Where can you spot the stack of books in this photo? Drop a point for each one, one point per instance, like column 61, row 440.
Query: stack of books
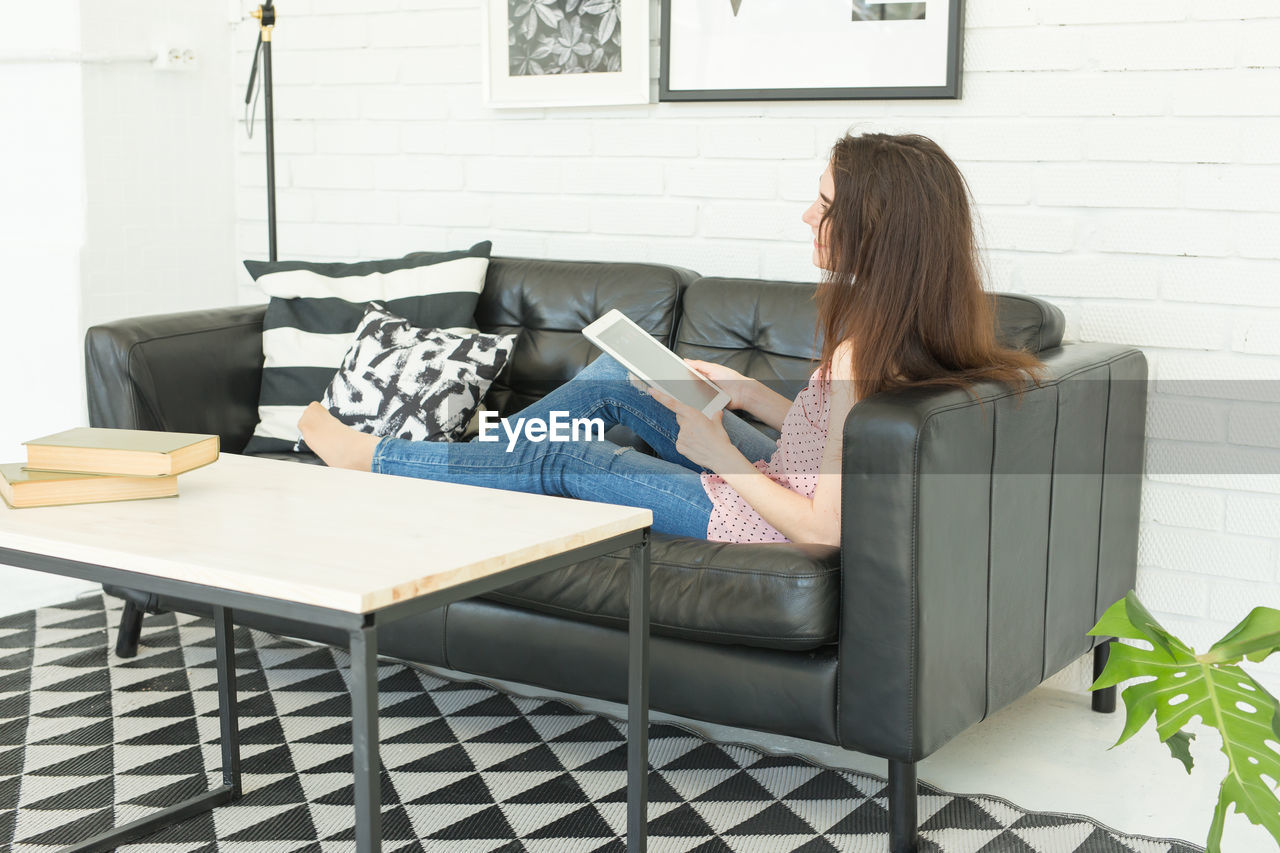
column 89, row 465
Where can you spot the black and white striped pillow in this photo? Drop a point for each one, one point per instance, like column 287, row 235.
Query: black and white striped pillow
column 315, row 308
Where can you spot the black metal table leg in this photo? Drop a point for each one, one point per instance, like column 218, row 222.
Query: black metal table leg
column 226, row 792
column 228, row 713
column 638, row 700
column 364, row 738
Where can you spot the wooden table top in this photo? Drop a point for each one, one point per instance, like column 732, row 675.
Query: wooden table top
column 346, row 540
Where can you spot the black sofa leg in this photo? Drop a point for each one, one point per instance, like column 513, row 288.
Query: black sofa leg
column 1104, row 700
column 130, row 631
column 902, row 807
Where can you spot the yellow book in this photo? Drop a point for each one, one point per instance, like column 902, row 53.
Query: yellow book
column 133, row 452
column 22, row 488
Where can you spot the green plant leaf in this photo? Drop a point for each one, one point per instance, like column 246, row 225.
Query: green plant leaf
column 1127, row 618
column 1252, row 798
column 1180, row 745
column 1255, row 638
column 1179, row 676
column 1181, row 686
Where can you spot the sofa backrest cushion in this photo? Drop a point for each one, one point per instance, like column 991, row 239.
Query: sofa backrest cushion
column 549, row 302
column 765, row 329
column 762, row 329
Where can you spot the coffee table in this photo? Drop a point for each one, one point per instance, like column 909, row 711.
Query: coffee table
column 299, row 541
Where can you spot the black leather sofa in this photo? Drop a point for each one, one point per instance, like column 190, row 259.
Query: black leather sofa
column 981, row 539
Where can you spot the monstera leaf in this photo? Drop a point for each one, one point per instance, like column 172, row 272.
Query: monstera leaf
column 1184, row 685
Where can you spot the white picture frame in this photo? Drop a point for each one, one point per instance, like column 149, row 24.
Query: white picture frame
column 755, row 50
column 553, row 35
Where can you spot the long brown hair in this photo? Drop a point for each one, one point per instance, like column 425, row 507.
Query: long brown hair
column 904, row 282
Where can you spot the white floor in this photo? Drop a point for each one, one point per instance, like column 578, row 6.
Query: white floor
column 1046, row 752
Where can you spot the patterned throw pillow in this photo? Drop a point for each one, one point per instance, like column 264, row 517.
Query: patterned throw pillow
column 421, row 384
column 315, row 307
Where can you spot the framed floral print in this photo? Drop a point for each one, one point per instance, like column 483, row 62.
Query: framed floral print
column 541, row 53
column 738, row 50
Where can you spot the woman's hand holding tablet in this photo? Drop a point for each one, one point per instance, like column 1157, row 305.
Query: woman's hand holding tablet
column 647, row 358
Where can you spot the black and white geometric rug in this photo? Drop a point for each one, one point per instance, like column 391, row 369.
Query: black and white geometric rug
column 467, row 768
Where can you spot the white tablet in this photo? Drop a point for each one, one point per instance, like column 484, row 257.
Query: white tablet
column 642, row 354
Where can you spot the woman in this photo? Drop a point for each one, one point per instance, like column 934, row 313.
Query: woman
column 901, row 304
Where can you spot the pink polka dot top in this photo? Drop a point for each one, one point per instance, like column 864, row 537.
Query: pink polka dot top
column 794, row 464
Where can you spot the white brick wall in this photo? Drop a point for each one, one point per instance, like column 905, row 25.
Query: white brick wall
column 1124, row 156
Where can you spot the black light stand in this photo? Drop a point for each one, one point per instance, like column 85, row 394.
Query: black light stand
column 266, row 13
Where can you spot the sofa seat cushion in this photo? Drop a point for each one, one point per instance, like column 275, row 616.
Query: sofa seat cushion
column 771, row 595
column 290, row 456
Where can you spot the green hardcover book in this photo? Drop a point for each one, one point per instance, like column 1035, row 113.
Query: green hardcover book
column 133, row 452
column 22, row 488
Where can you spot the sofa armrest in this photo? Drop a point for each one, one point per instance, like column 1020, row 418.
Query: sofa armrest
column 198, row 371
column 980, row 541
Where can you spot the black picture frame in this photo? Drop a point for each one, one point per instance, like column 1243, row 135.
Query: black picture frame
column 951, row 89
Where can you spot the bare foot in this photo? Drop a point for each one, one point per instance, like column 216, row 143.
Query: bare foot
column 337, row 444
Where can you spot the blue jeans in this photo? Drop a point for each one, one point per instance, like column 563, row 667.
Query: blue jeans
column 669, row 485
